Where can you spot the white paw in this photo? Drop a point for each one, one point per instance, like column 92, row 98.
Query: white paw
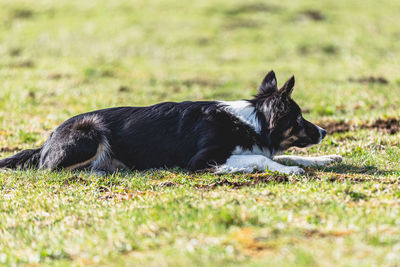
column 292, row 170
column 336, row 158
column 329, row 159
column 225, row 169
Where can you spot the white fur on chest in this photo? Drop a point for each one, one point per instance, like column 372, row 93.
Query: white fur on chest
column 244, row 159
column 255, row 150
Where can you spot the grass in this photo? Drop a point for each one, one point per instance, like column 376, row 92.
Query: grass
column 62, row 58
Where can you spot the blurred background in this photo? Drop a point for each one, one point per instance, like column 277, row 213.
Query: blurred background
column 61, row 58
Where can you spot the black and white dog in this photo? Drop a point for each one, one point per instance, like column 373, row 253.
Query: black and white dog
column 228, row 136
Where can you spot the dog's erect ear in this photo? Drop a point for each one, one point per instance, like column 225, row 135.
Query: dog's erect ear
column 268, row 85
column 287, row 88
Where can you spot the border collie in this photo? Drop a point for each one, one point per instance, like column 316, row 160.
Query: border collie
column 228, row 136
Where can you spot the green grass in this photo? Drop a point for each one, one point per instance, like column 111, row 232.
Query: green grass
column 61, row 58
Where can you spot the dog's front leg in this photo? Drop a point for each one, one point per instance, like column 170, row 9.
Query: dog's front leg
column 250, row 163
column 308, row 161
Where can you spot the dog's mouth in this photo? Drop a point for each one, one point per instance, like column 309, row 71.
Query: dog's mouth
column 304, row 145
column 308, row 143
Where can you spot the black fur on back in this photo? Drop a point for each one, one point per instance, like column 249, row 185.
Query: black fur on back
column 190, row 135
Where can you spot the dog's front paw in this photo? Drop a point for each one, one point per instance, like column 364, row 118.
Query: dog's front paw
column 336, row 158
column 223, row 169
column 292, row 170
column 329, row 159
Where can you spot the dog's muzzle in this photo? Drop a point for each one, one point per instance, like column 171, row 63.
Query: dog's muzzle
column 322, row 133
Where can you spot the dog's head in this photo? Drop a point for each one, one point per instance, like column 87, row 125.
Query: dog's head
column 283, row 117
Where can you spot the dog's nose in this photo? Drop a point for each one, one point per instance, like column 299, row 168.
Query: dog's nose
column 323, row 133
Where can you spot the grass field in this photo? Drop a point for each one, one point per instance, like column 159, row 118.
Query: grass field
column 61, row 58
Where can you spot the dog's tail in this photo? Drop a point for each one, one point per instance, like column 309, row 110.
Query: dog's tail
column 25, row 159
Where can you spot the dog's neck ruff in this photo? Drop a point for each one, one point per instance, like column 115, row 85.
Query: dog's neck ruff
column 244, row 111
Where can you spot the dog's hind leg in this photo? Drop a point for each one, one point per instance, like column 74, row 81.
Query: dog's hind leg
column 78, row 144
column 308, row 161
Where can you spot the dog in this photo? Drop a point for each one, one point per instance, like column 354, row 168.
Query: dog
column 225, row 136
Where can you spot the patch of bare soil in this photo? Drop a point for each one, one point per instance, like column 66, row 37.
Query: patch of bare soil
column 387, row 125
column 75, row 180
column 317, row 233
column 22, row 64
column 256, row 178
column 14, row 52
column 167, row 184
column 126, row 195
column 390, row 125
column 253, row 8
column 242, row 23
column 124, row 88
column 352, row 177
column 251, row 245
column 22, row 13
column 329, row 49
column 311, row 14
column 336, row 126
column 369, row 80
column 117, row 196
column 58, row 75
